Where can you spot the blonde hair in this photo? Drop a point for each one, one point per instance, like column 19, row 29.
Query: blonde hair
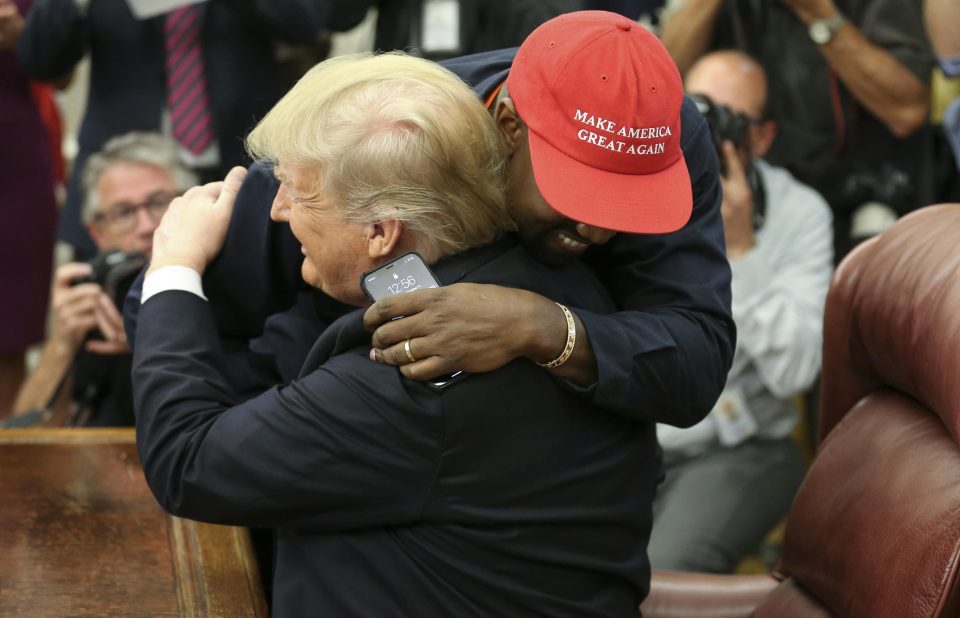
column 394, row 137
column 134, row 148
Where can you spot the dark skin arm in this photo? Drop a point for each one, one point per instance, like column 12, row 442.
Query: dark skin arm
column 475, row 328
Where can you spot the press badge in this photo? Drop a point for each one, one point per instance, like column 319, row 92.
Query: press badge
column 733, row 419
column 440, row 27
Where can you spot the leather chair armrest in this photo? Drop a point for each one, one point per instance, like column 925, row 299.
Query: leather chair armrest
column 681, row 595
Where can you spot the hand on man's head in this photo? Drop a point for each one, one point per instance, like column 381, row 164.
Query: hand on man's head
column 195, row 225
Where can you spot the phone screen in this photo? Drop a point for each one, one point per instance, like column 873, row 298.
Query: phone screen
column 404, row 274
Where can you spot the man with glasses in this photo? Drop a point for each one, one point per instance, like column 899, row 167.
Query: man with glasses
column 127, row 188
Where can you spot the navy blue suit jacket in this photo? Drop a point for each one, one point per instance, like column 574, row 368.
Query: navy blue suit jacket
column 128, row 76
column 503, row 495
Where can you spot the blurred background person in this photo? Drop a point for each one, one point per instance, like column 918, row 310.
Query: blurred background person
column 942, row 18
column 647, row 12
column 27, row 207
column 440, row 29
column 849, row 89
column 202, row 74
column 732, row 477
column 83, row 376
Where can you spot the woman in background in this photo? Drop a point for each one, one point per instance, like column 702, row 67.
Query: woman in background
column 27, row 209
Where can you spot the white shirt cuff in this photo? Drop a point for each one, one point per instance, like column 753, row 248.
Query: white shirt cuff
column 172, row 278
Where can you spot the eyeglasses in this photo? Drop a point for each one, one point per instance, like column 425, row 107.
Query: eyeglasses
column 122, row 216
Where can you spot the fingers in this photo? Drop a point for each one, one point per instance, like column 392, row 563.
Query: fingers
column 396, row 354
column 73, row 320
column 231, row 186
column 109, row 321
column 84, row 309
column 211, row 190
column 429, row 360
column 81, row 308
column 77, row 297
column 68, row 273
column 222, row 192
column 424, row 368
column 390, row 355
column 397, row 331
column 107, row 348
column 194, row 229
column 734, row 164
column 427, row 369
column 409, row 304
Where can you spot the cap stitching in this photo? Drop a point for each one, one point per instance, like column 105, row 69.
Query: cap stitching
column 571, row 57
column 583, row 48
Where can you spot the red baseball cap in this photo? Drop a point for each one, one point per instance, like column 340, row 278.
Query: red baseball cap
column 601, row 98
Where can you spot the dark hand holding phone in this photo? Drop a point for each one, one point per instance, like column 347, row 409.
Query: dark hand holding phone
column 405, row 274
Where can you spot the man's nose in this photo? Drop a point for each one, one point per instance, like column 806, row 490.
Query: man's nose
column 279, row 211
column 596, row 235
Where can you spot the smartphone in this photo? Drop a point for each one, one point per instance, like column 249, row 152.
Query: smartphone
column 404, row 274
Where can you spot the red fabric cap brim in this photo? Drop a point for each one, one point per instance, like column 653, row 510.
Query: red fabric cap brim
column 636, row 203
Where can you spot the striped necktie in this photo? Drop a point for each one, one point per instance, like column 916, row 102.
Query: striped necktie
column 187, row 97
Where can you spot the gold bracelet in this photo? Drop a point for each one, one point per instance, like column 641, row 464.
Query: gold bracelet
column 571, row 340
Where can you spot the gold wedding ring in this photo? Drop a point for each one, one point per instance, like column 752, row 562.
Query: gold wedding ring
column 406, row 348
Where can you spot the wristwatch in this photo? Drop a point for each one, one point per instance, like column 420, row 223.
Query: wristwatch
column 823, row 30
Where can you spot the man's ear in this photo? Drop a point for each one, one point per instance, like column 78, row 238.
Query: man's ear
column 762, row 136
column 383, row 237
column 510, row 125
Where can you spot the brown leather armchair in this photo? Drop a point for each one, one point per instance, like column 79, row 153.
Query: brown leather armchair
column 874, row 530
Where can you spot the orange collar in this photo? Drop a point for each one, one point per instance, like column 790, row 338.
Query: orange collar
column 493, row 96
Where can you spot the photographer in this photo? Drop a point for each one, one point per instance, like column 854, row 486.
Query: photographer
column 849, row 89
column 83, row 376
column 732, row 477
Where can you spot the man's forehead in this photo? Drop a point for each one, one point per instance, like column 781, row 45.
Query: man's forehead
column 131, row 173
column 297, row 176
column 727, row 85
column 126, row 181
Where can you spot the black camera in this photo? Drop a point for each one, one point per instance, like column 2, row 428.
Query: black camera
column 848, row 187
column 725, row 124
column 115, row 272
column 731, row 126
